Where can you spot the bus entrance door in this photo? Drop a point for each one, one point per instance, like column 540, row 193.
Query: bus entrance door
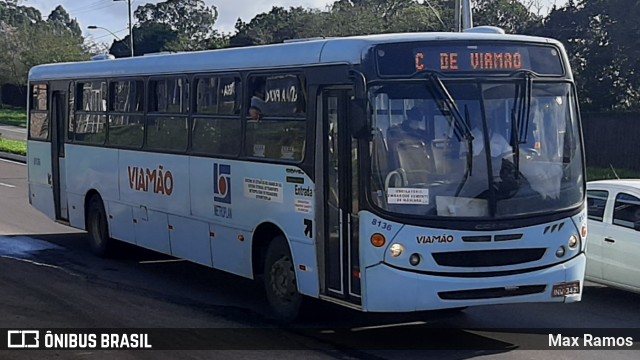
column 341, row 253
column 59, row 121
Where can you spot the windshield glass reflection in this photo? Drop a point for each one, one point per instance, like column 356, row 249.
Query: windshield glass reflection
column 524, row 156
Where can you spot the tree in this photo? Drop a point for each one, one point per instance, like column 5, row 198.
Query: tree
column 277, row 25
column 26, row 41
column 511, row 15
column 13, row 14
column 148, row 38
column 603, row 43
column 192, row 21
column 59, row 18
column 342, row 18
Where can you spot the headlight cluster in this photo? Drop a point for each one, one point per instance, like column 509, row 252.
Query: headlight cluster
column 572, row 244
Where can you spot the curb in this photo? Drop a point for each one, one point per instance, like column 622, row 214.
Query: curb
column 14, row 157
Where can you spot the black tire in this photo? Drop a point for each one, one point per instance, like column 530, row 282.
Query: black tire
column 98, row 228
column 280, row 282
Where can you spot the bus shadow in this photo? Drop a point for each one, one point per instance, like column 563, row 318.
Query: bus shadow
column 324, row 324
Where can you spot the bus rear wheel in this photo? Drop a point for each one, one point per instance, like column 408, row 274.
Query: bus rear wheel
column 280, row 281
column 98, row 228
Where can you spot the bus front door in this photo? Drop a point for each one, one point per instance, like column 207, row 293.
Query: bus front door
column 59, row 120
column 341, row 253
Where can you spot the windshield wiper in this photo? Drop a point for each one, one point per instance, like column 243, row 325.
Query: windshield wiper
column 520, row 118
column 460, row 126
column 524, row 106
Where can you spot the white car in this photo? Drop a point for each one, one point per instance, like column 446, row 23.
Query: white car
column 613, row 242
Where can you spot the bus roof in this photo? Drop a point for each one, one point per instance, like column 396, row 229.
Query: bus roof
column 297, row 53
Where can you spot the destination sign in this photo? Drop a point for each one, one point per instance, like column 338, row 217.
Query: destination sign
column 408, row 59
column 476, row 61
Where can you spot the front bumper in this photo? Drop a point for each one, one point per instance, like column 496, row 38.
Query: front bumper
column 387, row 289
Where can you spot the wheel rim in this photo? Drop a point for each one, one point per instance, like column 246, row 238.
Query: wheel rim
column 283, row 280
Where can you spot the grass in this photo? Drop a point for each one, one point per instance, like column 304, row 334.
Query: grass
column 13, row 146
column 17, row 117
column 13, row 116
column 608, row 173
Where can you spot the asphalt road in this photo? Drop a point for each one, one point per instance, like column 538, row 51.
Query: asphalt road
column 49, row 279
column 13, row 132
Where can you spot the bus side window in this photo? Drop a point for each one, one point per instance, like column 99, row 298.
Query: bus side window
column 276, row 119
column 216, row 128
column 91, row 112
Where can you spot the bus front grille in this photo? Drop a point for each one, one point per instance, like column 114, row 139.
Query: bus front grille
column 484, row 258
column 492, row 293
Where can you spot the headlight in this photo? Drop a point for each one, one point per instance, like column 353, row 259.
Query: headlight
column 396, row 250
column 573, row 242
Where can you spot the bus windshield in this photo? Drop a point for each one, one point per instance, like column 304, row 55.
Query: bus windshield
column 521, row 153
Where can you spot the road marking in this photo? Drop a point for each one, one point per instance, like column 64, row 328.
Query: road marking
column 161, row 261
column 68, row 272
column 375, row 327
column 13, row 162
column 7, row 185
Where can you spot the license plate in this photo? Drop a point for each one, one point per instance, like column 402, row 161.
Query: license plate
column 566, row 289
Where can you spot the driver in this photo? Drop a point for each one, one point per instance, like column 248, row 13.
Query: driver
column 503, row 168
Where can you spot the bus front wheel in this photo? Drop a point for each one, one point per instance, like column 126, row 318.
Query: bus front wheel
column 280, row 281
column 97, row 228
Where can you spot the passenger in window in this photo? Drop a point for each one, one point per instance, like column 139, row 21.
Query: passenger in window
column 256, row 107
column 411, row 125
column 411, row 128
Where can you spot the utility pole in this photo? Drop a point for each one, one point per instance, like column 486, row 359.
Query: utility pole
column 463, row 16
column 130, row 26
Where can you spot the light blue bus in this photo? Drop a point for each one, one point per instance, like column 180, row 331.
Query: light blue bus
column 386, row 173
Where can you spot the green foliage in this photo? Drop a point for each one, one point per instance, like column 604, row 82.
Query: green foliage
column 343, row 18
column 603, row 42
column 26, row 41
column 148, row 38
column 276, row 26
column 13, row 146
column 14, row 15
column 13, row 116
column 192, row 21
column 61, row 22
column 608, row 173
column 510, row 15
column 602, row 37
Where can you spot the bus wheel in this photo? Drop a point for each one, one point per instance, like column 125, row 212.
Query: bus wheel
column 280, row 281
column 97, row 228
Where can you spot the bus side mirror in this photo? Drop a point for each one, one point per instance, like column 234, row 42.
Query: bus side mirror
column 358, row 123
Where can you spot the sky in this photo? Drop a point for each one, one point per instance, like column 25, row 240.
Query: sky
column 112, row 14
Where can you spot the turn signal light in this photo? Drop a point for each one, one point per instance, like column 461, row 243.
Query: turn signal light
column 378, row 240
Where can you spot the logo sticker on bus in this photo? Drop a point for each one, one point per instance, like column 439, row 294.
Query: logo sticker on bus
column 222, row 183
column 159, row 181
column 426, row 239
